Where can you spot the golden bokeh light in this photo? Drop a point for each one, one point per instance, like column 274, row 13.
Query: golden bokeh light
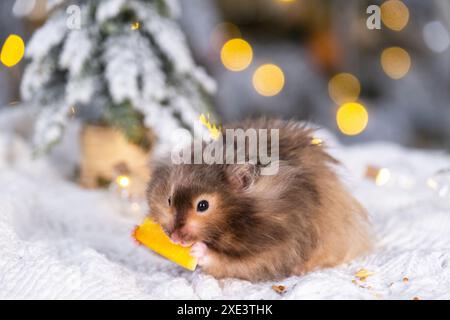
column 214, row 131
column 135, row 25
column 316, row 141
column 383, row 177
column 12, row 50
column 396, row 62
column 352, row 118
column 123, row 181
column 394, row 14
column 268, row 80
column 236, row 54
column 343, row 88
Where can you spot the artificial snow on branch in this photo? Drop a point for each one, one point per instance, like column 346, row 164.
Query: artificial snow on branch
column 128, row 66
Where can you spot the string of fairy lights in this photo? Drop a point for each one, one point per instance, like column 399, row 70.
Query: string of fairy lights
column 352, row 116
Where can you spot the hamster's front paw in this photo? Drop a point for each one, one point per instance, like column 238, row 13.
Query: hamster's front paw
column 199, row 250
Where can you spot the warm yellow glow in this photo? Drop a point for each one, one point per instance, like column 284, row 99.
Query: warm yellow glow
column 135, row 25
column 212, row 128
column 383, row 177
column 268, row 80
column 343, row 88
column 394, row 14
column 12, row 50
column 236, row 54
column 362, row 274
column 352, row 118
column 316, row 141
column 396, row 62
column 123, row 181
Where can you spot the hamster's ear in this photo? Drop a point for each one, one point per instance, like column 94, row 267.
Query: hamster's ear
column 242, row 176
column 160, row 166
column 159, row 175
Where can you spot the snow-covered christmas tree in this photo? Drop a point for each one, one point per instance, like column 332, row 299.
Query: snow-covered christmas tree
column 120, row 63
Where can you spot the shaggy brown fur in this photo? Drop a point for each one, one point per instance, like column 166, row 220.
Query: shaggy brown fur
column 263, row 227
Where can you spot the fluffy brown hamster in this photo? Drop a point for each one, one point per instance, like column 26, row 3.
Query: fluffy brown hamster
column 246, row 225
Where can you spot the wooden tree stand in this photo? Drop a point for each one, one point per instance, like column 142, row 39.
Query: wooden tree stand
column 104, row 152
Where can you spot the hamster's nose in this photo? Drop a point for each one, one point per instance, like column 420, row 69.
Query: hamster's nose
column 178, row 238
column 175, row 237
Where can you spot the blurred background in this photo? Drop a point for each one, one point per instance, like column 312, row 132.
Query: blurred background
column 316, row 60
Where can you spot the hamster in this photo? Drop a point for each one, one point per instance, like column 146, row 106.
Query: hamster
column 242, row 224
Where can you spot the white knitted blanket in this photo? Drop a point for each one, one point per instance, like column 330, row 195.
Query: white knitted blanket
column 60, row 241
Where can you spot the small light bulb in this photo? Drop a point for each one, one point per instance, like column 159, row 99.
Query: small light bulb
column 123, row 181
column 344, row 88
column 236, row 54
column 352, row 118
column 316, row 141
column 268, row 80
column 395, row 62
column 383, row 177
column 394, row 14
column 135, row 25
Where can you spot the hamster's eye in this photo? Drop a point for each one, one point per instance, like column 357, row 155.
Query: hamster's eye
column 169, row 201
column 202, row 206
